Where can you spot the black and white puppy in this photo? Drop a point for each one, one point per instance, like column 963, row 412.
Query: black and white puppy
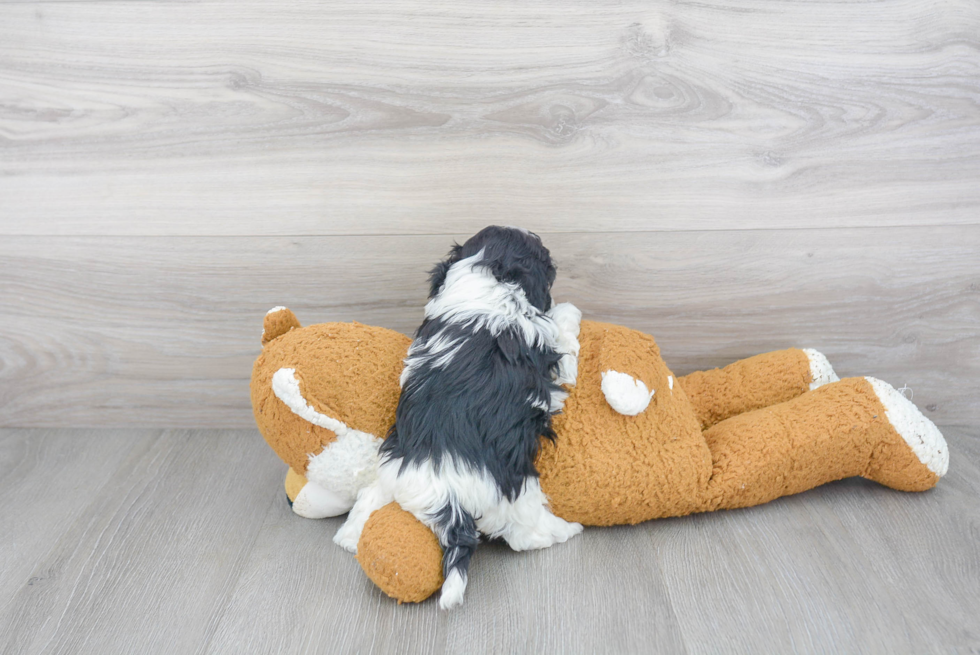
column 481, row 381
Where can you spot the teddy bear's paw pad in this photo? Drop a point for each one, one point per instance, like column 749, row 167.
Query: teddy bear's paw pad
column 624, row 393
column 821, row 372
column 315, row 502
column 921, row 434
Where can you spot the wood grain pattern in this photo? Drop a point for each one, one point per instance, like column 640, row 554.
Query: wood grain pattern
column 207, row 118
column 38, row 480
column 183, row 542
column 149, row 561
column 163, row 331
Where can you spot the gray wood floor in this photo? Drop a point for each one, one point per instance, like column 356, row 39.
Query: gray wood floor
column 181, row 541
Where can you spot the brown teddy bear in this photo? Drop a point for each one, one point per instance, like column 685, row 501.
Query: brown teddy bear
column 634, row 442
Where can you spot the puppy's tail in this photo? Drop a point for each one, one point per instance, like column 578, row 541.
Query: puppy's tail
column 459, row 537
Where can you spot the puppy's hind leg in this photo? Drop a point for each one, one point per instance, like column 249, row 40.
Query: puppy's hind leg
column 529, row 523
column 369, row 499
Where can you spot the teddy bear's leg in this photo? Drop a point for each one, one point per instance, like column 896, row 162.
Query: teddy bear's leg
column 854, row 427
column 401, row 555
column 312, row 501
column 756, row 382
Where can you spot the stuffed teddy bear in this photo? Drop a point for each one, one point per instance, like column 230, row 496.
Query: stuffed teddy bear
column 634, row 442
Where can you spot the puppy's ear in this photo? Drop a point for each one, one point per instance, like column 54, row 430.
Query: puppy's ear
column 510, row 347
column 437, row 276
column 534, row 273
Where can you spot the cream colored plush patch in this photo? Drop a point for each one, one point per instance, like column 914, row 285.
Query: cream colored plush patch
column 821, row 372
column 624, row 393
column 921, row 434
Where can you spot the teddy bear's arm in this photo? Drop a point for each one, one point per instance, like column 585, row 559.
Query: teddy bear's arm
column 756, row 382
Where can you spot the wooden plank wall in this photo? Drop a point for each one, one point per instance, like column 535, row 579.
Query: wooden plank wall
column 732, row 177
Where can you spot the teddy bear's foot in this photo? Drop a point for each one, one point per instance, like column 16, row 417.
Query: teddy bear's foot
column 915, row 455
column 821, row 372
column 312, row 501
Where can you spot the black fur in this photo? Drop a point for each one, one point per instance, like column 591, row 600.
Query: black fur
column 459, row 539
column 479, row 408
column 512, row 255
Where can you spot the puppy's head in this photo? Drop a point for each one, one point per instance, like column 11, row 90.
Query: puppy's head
column 512, row 255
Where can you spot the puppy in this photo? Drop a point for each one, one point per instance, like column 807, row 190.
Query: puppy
column 481, row 381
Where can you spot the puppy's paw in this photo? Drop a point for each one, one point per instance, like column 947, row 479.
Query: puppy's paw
column 567, row 531
column 568, row 317
column 347, row 537
column 567, row 370
column 547, row 533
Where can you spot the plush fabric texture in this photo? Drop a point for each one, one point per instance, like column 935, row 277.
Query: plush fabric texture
column 732, row 437
column 400, row 555
column 278, row 322
column 747, row 384
column 347, row 371
column 833, row 432
column 294, row 484
column 606, row 468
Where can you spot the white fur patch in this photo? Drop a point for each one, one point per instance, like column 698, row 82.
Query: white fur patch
column 568, row 318
column 423, row 490
column 821, row 372
column 452, row 590
column 921, row 434
column 346, row 465
column 624, row 393
column 471, row 295
column 437, row 351
column 369, row 500
column 670, row 382
column 278, row 308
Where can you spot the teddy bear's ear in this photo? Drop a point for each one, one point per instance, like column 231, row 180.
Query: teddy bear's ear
column 437, row 276
column 278, row 321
